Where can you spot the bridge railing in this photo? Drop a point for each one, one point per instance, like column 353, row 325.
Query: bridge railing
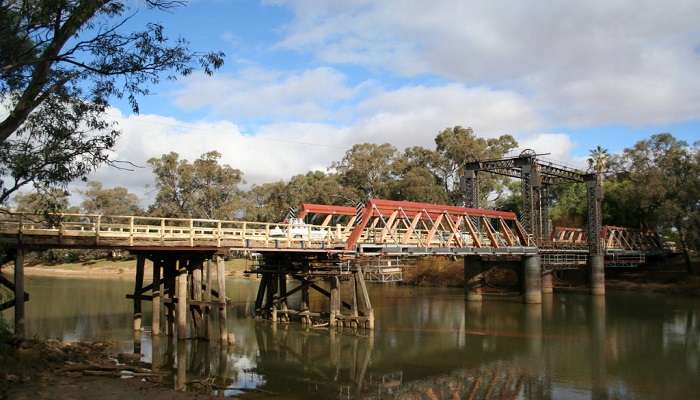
column 131, row 230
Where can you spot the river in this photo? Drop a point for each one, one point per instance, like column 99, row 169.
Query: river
column 428, row 344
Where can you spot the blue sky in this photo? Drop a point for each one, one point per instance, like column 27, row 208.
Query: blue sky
column 304, row 80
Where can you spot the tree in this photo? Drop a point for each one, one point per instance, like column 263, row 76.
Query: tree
column 657, row 185
column 61, row 63
column 202, row 189
column 417, row 177
column 598, row 160
column 457, row 146
column 271, row 201
column 54, row 200
column 367, row 168
column 113, row 201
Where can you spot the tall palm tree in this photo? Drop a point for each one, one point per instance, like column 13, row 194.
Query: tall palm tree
column 598, row 159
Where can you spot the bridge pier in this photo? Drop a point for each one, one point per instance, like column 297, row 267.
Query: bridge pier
column 273, row 292
column 596, row 263
column 181, row 287
column 532, row 279
column 547, row 282
column 473, row 278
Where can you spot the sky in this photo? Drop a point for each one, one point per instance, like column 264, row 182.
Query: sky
column 304, row 80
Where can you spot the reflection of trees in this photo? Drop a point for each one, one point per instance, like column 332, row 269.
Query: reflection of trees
column 493, row 382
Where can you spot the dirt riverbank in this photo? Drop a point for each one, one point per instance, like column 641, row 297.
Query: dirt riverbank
column 107, row 269
column 51, row 369
column 444, row 272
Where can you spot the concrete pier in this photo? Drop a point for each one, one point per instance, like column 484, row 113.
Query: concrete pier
column 473, row 278
column 547, row 282
column 596, row 263
column 532, row 282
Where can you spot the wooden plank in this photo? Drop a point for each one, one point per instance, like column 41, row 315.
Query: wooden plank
column 181, row 308
column 138, row 285
column 221, row 283
column 19, row 292
column 156, row 292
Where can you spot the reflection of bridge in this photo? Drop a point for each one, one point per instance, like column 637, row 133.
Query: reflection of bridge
column 320, row 249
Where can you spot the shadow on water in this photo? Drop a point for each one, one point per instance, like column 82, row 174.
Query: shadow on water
column 428, row 344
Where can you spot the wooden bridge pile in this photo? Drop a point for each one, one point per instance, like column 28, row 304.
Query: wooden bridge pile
column 308, row 272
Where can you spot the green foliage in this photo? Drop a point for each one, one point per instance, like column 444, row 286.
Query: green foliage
column 570, row 207
column 457, row 146
column 114, row 201
column 270, row 201
column 201, row 189
column 367, row 169
column 52, row 200
column 61, row 63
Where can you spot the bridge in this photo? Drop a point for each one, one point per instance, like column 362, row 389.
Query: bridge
column 324, row 247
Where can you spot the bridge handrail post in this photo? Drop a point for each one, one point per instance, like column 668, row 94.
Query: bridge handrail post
column 218, row 233
column 20, row 222
column 308, row 235
column 97, row 229
column 289, row 235
column 245, row 226
column 191, row 222
column 162, row 231
column 131, row 230
column 267, row 233
column 60, row 227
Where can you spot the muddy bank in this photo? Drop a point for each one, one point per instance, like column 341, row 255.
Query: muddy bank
column 51, row 369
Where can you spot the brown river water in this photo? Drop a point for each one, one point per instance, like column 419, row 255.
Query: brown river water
column 428, row 344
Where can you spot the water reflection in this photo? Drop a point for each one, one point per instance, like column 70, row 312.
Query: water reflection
column 429, row 344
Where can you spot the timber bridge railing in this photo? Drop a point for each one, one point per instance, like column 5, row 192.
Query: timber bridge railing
column 382, row 226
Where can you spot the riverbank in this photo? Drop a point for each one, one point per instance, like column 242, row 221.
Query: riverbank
column 107, row 269
column 51, row 369
column 428, row 272
column 444, row 272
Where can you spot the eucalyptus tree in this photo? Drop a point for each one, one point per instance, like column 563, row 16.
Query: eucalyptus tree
column 203, row 188
column 457, row 146
column 109, row 201
column 62, row 63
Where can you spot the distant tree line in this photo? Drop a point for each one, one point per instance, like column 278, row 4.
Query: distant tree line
column 653, row 184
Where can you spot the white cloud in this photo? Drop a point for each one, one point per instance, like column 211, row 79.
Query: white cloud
column 262, row 93
column 584, row 63
column 404, row 117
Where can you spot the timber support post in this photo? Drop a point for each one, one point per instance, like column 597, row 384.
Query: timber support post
column 197, row 314
column 138, row 286
column 596, row 253
column 221, row 281
column 156, row 291
column 208, row 278
column 181, row 300
column 19, row 292
column 473, row 278
column 169, row 273
column 334, row 303
column 532, row 282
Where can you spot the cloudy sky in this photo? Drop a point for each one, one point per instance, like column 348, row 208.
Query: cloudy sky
column 305, row 79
